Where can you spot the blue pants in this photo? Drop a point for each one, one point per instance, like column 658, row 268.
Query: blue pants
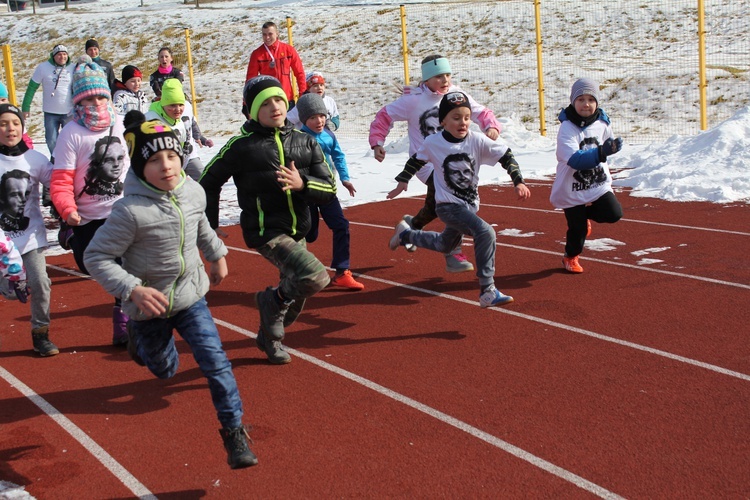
column 459, row 220
column 333, row 216
column 155, row 345
column 53, row 123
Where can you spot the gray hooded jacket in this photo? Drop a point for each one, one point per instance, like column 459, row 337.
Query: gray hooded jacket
column 157, row 234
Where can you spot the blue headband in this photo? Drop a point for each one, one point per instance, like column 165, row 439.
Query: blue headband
column 436, row 67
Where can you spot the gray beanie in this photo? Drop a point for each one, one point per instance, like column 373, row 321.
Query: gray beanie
column 310, row 104
column 584, row 86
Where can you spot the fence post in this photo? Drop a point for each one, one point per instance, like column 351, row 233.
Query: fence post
column 702, row 64
column 190, row 72
column 292, row 78
column 404, row 46
column 540, row 66
column 8, row 65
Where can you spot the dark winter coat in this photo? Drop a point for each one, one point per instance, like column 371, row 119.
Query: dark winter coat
column 252, row 159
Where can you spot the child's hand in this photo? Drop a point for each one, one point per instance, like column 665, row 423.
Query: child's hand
column 221, row 233
column 522, row 192
column 610, row 147
column 150, row 301
column 349, row 187
column 73, row 219
column 400, row 188
column 289, row 178
column 218, row 271
column 492, row 133
column 379, row 152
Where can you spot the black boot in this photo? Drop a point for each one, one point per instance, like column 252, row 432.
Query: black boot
column 239, row 455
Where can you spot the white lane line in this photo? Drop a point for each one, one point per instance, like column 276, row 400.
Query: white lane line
column 112, row 465
column 636, row 221
column 444, row 418
column 602, row 261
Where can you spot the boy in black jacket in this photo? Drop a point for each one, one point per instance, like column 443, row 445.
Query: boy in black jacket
column 277, row 171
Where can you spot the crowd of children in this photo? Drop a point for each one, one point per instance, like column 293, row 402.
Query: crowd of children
column 137, row 206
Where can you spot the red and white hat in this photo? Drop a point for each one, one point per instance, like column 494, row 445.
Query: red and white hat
column 315, row 78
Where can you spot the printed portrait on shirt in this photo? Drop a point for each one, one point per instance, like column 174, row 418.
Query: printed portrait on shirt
column 458, row 171
column 429, row 123
column 106, row 165
column 15, row 189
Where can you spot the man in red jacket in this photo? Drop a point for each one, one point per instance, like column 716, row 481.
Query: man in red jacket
column 279, row 60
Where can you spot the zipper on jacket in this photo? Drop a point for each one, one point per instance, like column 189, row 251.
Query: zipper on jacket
column 176, row 204
column 289, row 201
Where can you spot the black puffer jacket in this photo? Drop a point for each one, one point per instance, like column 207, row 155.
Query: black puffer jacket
column 253, row 159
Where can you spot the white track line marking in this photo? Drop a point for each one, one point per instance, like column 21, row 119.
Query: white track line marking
column 444, row 418
column 592, row 259
column 89, row 444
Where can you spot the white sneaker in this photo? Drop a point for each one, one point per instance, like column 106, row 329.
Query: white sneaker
column 395, row 240
column 410, row 247
column 493, row 297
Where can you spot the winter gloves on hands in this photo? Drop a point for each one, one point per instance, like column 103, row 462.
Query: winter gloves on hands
column 610, row 147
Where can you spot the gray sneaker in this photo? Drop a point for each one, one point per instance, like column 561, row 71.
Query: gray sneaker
column 271, row 314
column 42, row 344
column 273, row 349
column 410, row 247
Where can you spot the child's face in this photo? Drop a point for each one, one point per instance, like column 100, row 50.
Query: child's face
column 318, row 88
column 457, row 122
column 272, row 112
column 134, row 84
column 11, row 130
column 165, row 58
column 585, row 105
column 440, row 83
column 163, row 169
column 316, row 123
column 97, row 100
column 174, row 111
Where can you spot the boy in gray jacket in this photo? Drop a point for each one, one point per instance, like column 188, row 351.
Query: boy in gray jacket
column 156, row 230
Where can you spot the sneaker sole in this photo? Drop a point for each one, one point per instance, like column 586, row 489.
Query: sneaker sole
column 502, row 302
column 463, row 269
column 47, row 354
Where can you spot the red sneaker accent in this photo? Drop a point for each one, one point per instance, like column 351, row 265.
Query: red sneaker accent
column 571, row 264
column 346, row 280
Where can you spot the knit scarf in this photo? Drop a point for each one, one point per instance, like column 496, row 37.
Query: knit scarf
column 16, row 150
column 94, row 118
column 570, row 114
column 165, row 71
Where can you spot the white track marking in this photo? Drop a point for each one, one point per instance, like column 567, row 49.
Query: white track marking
column 112, row 465
column 590, row 259
column 444, row 418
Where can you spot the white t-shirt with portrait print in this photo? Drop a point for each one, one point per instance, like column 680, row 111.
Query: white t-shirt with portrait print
column 477, row 148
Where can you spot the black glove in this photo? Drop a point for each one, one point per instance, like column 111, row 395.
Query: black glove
column 21, row 289
column 610, row 147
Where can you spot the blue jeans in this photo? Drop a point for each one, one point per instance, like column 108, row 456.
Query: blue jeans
column 155, row 345
column 459, row 220
column 53, row 123
column 333, row 216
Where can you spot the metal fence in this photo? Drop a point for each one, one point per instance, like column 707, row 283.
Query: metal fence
column 644, row 54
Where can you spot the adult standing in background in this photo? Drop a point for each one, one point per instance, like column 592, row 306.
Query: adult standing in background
column 92, row 50
column 55, row 75
column 279, row 60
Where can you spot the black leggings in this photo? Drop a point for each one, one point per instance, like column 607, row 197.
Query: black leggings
column 82, row 236
column 606, row 209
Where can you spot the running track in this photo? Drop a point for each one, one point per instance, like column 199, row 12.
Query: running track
column 630, row 380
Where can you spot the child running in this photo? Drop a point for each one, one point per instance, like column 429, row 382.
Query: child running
column 316, row 84
column 90, row 166
column 456, row 154
column 419, row 108
column 278, row 171
column 22, row 173
column 157, row 230
column 583, row 184
column 313, row 113
column 12, row 270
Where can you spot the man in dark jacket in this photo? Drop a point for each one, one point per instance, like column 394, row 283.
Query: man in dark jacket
column 92, row 49
column 277, row 171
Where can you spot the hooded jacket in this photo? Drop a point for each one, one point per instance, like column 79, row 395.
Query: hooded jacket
column 157, row 234
column 252, row 159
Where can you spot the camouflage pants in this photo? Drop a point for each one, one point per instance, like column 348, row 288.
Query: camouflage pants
column 301, row 274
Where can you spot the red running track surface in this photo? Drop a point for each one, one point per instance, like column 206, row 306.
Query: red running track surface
column 631, row 379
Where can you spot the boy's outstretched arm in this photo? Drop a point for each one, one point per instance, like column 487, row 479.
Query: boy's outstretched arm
column 413, row 165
